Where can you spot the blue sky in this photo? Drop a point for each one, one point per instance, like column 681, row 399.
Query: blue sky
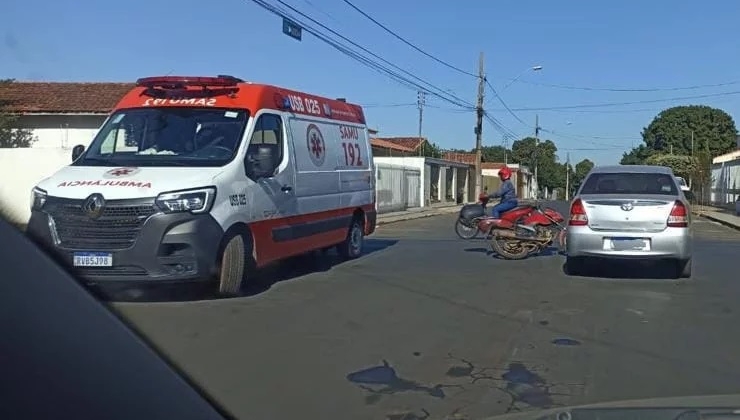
column 592, row 44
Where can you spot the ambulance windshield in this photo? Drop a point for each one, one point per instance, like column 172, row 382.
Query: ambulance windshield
column 167, row 137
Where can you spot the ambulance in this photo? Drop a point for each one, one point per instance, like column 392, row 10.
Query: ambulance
column 209, row 178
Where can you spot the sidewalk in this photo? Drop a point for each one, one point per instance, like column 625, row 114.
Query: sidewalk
column 421, row 212
column 417, row 213
column 719, row 215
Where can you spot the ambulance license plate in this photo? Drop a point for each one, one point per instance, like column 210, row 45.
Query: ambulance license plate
column 92, row 259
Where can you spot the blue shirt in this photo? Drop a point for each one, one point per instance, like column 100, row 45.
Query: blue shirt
column 507, row 192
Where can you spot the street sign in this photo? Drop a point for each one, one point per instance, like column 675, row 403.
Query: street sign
column 292, row 29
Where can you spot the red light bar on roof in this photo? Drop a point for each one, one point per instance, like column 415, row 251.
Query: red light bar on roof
column 178, row 82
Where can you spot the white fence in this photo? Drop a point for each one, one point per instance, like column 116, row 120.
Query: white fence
column 397, row 187
column 20, row 170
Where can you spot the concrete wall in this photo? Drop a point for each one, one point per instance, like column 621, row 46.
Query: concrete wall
column 397, row 187
column 522, row 180
column 408, row 162
column 20, row 170
column 725, row 182
column 61, row 131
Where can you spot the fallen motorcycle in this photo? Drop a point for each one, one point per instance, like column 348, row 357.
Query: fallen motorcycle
column 518, row 233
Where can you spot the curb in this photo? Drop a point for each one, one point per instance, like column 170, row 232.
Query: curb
column 720, row 221
column 419, row 215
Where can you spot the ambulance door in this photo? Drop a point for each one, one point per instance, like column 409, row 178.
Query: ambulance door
column 317, row 180
column 354, row 164
column 269, row 164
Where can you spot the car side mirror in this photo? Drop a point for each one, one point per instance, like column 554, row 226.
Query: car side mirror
column 77, row 151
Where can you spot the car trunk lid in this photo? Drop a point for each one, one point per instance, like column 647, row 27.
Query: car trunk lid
column 628, row 213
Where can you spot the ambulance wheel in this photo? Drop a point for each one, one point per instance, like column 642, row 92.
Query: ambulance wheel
column 233, row 264
column 351, row 248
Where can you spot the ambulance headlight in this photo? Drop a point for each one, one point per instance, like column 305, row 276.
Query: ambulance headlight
column 38, row 198
column 194, row 201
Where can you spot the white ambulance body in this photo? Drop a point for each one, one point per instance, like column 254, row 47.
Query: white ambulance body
column 194, row 179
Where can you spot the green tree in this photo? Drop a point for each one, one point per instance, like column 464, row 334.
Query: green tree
column 682, row 165
column 679, row 131
column 636, row 156
column 702, row 175
column 550, row 174
column 11, row 135
column 578, row 174
column 431, row 150
column 494, row 153
column 581, row 170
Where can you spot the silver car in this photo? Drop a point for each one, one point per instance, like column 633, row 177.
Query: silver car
column 629, row 212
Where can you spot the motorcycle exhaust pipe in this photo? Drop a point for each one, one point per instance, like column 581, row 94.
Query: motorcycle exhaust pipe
column 506, row 234
column 510, row 234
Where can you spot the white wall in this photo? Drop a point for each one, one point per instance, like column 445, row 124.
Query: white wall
column 725, row 182
column 397, row 187
column 61, row 130
column 20, row 170
column 409, row 162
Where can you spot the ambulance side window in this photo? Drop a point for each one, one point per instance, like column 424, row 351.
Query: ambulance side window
column 119, row 139
column 265, row 150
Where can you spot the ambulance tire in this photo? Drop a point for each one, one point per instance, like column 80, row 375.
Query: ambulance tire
column 352, row 246
column 233, row 265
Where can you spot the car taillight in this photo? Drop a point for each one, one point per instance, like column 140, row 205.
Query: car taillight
column 577, row 214
column 679, row 216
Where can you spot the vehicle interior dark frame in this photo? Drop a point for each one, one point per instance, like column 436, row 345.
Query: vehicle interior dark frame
column 64, row 354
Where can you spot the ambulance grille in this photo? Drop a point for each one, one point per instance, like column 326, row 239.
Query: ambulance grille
column 116, row 228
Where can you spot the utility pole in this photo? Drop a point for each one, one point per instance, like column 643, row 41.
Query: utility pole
column 479, row 125
column 506, row 149
column 536, row 146
column 692, row 159
column 567, row 177
column 420, row 102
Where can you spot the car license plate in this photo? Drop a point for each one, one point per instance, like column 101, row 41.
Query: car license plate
column 92, row 259
column 630, row 244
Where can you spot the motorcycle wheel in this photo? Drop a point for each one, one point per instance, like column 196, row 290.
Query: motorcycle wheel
column 508, row 250
column 464, row 231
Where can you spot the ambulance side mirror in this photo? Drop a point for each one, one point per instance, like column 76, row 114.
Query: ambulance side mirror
column 261, row 161
column 77, row 151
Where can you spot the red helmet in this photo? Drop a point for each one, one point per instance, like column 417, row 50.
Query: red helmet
column 504, row 173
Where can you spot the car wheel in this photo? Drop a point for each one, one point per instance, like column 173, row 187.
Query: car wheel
column 352, row 246
column 683, row 269
column 574, row 266
column 233, row 266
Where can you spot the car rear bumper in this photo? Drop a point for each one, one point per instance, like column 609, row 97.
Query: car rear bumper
column 671, row 243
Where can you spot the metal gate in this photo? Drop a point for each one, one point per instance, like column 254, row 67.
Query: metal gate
column 397, row 187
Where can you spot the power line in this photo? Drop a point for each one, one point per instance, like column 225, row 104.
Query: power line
column 597, row 89
column 584, row 136
column 499, row 126
column 390, row 105
column 608, row 104
column 500, row 99
column 429, row 88
column 402, row 39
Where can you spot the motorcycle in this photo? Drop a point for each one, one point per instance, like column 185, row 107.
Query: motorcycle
column 518, row 233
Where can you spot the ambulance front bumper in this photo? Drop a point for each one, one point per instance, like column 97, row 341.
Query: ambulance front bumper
column 129, row 245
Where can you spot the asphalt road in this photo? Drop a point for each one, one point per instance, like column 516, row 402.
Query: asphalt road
column 430, row 325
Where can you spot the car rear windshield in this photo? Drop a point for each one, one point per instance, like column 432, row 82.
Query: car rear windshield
column 630, row 183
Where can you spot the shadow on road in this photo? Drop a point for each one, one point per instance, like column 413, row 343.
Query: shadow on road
column 632, row 270
column 263, row 280
column 487, row 250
